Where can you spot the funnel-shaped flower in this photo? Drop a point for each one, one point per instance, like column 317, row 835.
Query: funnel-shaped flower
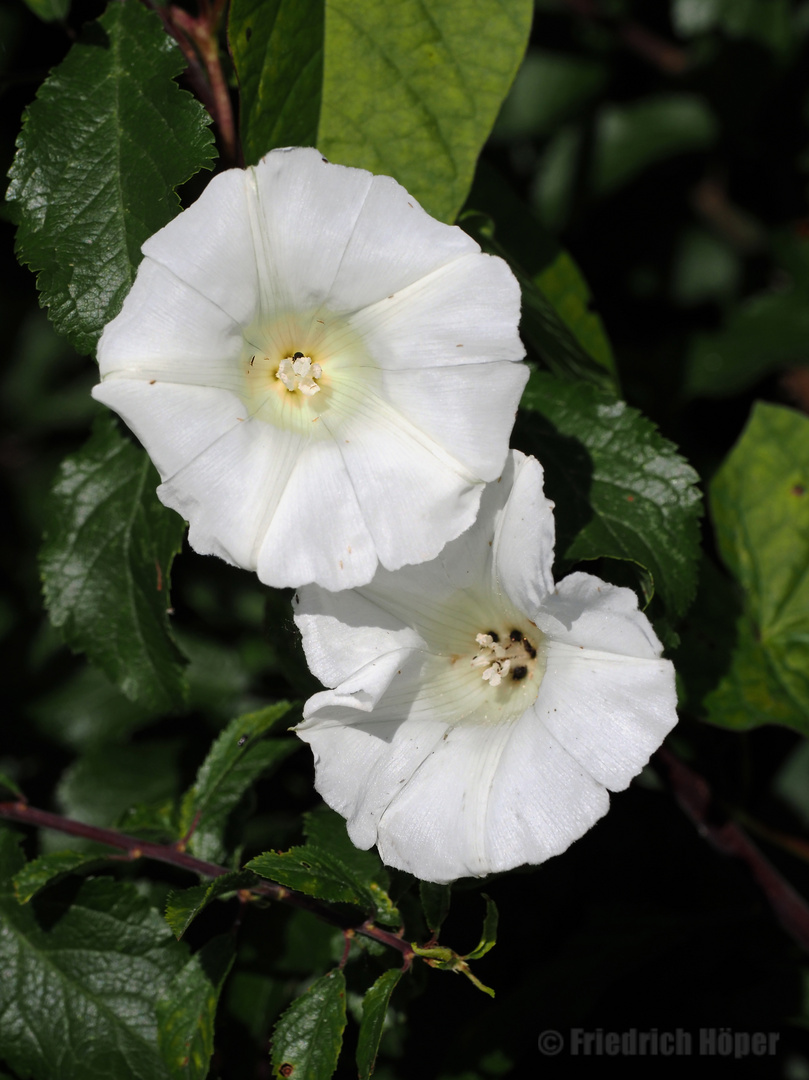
column 322, row 373
column 479, row 714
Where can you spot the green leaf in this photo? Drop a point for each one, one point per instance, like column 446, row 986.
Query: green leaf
column 765, row 333
column 488, row 935
column 768, row 22
column 412, row 90
column 106, row 561
column 329, row 867
column 183, row 905
column 760, row 507
column 621, row 490
column 435, row 901
column 103, row 147
column 50, row 10
column 307, row 1039
column 7, row 783
column 277, row 48
column 187, row 1010
column 47, row 870
column 95, row 963
column 234, row 763
column 374, row 1010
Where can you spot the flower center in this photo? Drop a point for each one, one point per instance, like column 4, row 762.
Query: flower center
column 511, row 656
column 297, row 372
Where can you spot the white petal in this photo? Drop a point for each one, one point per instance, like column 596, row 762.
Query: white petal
column 586, row 611
column 317, row 531
column 524, row 537
column 210, row 246
column 610, row 712
column 394, row 243
column 414, row 495
column 342, row 632
column 468, row 410
column 169, row 332
column 305, row 211
column 465, row 312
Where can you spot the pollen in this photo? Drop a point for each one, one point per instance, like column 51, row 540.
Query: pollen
column 298, row 372
column 515, row 659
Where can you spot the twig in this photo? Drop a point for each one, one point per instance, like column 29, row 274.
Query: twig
column 173, row 855
column 654, row 49
column 694, row 796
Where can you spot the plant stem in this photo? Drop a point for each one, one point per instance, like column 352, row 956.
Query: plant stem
column 175, row 855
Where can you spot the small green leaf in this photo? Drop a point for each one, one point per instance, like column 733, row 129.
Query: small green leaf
column 413, row 90
column 621, row 490
column 48, row 869
column 7, row 783
column 488, row 936
column 234, row 763
column 187, row 1010
column 760, row 507
column 103, row 147
column 435, row 901
column 50, row 10
column 307, row 1039
column 374, row 1010
column 96, row 962
column 183, row 905
column 277, row 48
column 106, row 561
column 329, row 867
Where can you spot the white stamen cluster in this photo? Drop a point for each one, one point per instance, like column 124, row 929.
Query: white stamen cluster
column 493, row 657
column 297, row 372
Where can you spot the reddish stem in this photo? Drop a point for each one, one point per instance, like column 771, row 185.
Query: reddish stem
column 174, row 856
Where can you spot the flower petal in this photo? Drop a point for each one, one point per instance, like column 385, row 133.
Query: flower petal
column 524, row 537
column 611, row 712
column 465, row 312
column 316, row 530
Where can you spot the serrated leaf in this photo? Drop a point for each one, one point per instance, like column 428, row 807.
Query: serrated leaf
column 183, row 905
column 187, row 1010
column 329, row 867
column 103, row 147
column 307, row 1039
column 760, row 507
column 47, row 870
column 374, row 1010
column 106, row 561
column 94, row 963
column 277, row 48
column 621, row 490
column 413, row 90
column 233, row 764
column 435, row 901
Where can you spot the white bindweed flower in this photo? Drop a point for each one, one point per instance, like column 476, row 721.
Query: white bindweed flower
column 479, row 714
column 323, row 374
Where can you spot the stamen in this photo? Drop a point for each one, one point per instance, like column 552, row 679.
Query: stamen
column 497, row 660
column 299, row 373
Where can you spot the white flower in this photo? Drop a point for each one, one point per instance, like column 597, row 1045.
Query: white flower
column 479, row 714
column 322, row 373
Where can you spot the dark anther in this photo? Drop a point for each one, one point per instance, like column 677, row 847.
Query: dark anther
column 493, row 635
column 529, row 648
column 297, row 356
column 515, row 635
column 519, row 673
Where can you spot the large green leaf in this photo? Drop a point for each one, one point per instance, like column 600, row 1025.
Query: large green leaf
column 307, row 1039
column 621, row 490
column 760, row 507
column 106, row 561
column 234, row 763
column 81, row 979
column 103, row 147
column 404, row 89
column 413, row 89
column 329, row 867
column 187, row 1010
column 277, row 48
